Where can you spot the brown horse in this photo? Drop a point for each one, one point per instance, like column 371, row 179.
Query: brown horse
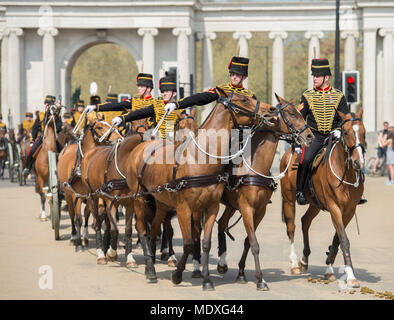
column 148, row 174
column 103, row 172
column 41, row 156
column 252, row 185
column 338, row 187
column 70, row 182
column 25, row 147
column 184, row 124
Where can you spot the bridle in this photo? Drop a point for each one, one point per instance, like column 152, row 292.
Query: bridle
column 349, row 150
column 295, row 133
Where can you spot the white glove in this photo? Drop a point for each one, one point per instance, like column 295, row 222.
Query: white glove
column 336, row 133
column 116, row 121
column 298, row 150
column 169, row 107
column 90, row 108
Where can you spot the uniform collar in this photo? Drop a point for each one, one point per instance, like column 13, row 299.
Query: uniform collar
column 146, row 98
column 236, row 87
column 323, row 90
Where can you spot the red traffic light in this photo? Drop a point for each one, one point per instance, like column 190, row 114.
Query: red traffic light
column 351, row 80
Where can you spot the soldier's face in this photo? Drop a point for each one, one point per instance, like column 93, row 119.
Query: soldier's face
column 320, row 81
column 80, row 109
column 168, row 95
column 143, row 91
column 236, row 79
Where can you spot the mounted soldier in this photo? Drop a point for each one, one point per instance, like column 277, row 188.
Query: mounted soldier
column 319, row 107
column 26, row 127
column 142, row 99
column 80, row 106
column 39, row 126
column 3, row 126
column 238, row 72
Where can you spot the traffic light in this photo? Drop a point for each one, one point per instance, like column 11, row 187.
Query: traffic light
column 351, row 86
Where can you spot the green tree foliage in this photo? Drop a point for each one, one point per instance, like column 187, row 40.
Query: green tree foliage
column 107, row 65
column 76, row 96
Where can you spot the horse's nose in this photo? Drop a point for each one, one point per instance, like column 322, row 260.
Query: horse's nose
column 272, row 109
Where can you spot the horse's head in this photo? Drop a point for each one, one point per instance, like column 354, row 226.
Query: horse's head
column 139, row 126
column 292, row 122
column 247, row 111
column 185, row 123
column 353, row 138
column 101, row 128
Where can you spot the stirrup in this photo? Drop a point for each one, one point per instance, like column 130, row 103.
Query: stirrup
column 362, row 201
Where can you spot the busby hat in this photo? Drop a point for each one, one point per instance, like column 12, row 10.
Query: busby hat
column 239, row 65
column 29, row 114
column 167, row 84
column 50, row 99
column 95, row 100
column 320, row 67
column 80, row 103
column 145, row 79
column 112, row 97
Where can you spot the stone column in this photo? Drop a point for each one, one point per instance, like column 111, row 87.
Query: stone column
column 388, row 74
column 183, row 57
column 4, row 74
column 314, row 46
column 277, row 64
column 148, row 48
column 207, row 66
column 243, row 38
column 14, row 76
column 48, row 58
column 350, row 49
column 369, row 79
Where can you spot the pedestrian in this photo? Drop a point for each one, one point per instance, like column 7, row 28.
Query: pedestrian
column 381, row 150
column 389, row 143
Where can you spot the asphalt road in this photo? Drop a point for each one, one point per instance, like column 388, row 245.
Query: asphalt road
column 35, row 266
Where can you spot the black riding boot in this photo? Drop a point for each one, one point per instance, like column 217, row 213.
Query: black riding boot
column 300, row 185
column 30, row 159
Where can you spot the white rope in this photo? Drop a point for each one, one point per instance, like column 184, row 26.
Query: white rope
column 230, row 157
column 80, row 144
column 116, row 157
column 79, row 122
column 275, row 178
column 159, row 124
column 332, row 170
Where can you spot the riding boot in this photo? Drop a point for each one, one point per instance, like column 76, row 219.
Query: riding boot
column 362, row 200
column 30, row 159
column 58, row 146
column 300, row 185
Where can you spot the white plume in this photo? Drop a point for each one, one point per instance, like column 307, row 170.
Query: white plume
column 93, row 89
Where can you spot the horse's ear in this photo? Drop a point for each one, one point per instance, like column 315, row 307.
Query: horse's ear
column 178, row 113
column 360, row 113
column 221, row 92
column 342, row 115
column 193, row 112
column 280, row 99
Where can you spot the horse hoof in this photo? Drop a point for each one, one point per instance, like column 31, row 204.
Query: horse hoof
column 208, row 286
column 295, row 270
column 151, row 278
column 164, row 256
column 241, row 279
column 101, row 261
column 352, row 283
column 172, row 263
column 131, row 265
column 262, row 286
column 78, row 248
column 43, row 219
column 222, row 269
column 303, row 267
column 196, row 274
column 111, row 259
column 176, row 277
column 330, row 276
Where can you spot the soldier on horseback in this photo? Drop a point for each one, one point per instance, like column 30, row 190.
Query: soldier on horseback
column 26, row 126
column 39, row 126
column 3, row 126
column 319, row 107
column 238, row 69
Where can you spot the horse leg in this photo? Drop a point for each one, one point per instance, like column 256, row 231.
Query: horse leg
column 112, row 254
column 185, row 220
column 222, row 266
column 336, row 216
column 206, row 246
column 150, row 271
column 98, row 220
column 331, row 255
column 306, row 223
column 130, row 262
column 168, row 234
column 85, row 233
column 288, row 209
column 71, row 213
column 159, row 217
column 78, row 224
column 196, row 225
column 107, row 235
